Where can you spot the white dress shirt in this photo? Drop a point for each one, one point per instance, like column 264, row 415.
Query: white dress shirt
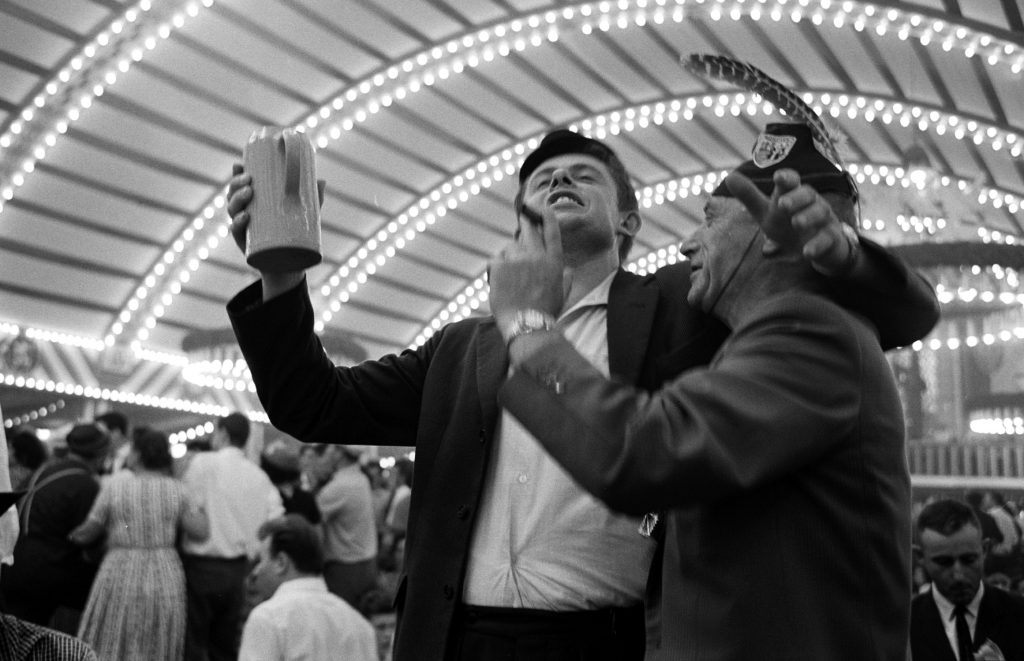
column 541, row 541
column 305, row 622
column 946, row 608
column 349, row 525
column 238, row 497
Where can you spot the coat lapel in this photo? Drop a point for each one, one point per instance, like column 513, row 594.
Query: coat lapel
column 932, row 635
column 990, row 618
column 631, row 307
column 491, row 368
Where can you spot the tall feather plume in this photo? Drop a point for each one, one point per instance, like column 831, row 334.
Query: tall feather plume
column 828, row 140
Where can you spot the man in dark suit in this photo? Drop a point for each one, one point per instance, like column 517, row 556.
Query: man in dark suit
column 960, row 616
column 506, row 557
column 779, row 469
column 49, row 571
column 24, row 641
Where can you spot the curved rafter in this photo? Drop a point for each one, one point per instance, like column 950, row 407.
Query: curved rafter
column 42, row 122
column 439, row 61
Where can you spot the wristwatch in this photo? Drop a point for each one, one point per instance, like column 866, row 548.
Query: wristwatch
column 528, row 321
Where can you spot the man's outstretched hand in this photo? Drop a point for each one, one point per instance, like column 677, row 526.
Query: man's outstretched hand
column 797, row 218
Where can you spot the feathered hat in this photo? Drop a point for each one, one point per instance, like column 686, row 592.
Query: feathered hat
column 806, row 144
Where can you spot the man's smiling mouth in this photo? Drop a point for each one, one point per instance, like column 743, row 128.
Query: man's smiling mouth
column 562, row 196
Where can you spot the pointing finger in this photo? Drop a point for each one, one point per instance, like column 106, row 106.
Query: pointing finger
column 531, row 232
column 756, row 202
column 553, row 238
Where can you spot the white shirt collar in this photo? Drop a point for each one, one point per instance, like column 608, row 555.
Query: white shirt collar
column 946, row 607
column 306, row 584
column 596, row 296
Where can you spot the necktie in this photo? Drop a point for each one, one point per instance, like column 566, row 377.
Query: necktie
column 963, row 634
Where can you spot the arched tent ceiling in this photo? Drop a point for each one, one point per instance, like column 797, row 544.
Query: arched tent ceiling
column 119, row 122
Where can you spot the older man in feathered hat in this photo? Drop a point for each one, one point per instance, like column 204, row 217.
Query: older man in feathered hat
column 779, row 469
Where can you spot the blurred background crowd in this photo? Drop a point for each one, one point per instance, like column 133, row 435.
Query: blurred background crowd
column 133, row 551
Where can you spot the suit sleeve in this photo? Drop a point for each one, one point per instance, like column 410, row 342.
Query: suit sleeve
column 784, row 390
column 899, row 301
column 305, row 394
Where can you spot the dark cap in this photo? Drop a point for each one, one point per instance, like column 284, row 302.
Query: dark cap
column 87, row 440
column 8, row 498
column 791, row 146
column 282, row 455
column 564, row 141
column 237, row 427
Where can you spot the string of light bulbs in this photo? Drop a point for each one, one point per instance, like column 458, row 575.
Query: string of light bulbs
column 499, row 40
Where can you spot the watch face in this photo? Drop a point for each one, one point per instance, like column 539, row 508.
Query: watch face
column 527, row 321
column 534, row 319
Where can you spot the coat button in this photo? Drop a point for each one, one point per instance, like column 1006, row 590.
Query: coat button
column 463, row 512
column 448, row 591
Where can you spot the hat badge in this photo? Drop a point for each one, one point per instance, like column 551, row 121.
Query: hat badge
column 772, row 149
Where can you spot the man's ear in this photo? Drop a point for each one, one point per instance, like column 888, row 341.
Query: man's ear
column 281, row 563
column 629, row 223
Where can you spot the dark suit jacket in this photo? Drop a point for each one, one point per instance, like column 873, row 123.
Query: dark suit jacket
column 1000, row 619
column 49, row 570
column 442, row 398
column 782, row 466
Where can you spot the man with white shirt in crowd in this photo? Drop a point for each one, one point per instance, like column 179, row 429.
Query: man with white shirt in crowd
column 115, row 423
column 959, row 618
column 239, row 498
column 300, row 619
column 349, row 525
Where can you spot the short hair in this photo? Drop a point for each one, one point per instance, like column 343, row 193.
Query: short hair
column 113, row 420
column 317, row 448
column 997, row 498
column 27, row 449
column 625, row 193
column 276, row 473
column 237, row 427
column 153, row 448
column 947, row 516
column 404, row 467
column 296, row 537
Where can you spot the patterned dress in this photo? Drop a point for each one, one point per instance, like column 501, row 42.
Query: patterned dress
column 136, row 609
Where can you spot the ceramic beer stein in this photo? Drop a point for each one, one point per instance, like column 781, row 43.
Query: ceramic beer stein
column 284, row 214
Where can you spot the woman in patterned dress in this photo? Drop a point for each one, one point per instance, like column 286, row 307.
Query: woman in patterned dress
column 136, row 609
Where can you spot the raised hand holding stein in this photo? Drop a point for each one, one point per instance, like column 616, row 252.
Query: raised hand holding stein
column 284, row 228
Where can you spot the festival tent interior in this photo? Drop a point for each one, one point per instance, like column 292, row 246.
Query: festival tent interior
column 120, row 121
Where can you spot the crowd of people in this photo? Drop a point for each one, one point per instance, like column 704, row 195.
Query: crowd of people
column 140, row 556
